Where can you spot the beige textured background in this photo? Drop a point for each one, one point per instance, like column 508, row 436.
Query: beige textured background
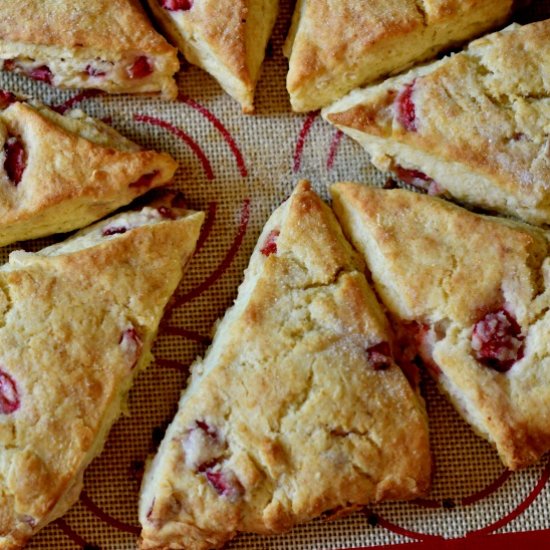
column 239, row 196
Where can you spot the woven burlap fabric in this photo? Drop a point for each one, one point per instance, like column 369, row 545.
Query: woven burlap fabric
column 239, row 169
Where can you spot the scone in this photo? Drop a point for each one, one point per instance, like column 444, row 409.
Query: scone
column 59, row 173
column 227, row 38
column 298, row 406
column 474, row 126
column 78, row 322
column 336, row 45
column 471, row 296
column 108, row 45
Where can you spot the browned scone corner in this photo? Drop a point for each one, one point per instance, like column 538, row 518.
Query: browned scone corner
column 78, row 322
column 469, row 295
column 297, row 408
column 62, row 172
column 473, row 126
column 108, row 45
column 226, row 38
column 335, row 46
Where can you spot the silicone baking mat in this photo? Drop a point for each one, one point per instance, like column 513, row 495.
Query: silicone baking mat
column 238, row 169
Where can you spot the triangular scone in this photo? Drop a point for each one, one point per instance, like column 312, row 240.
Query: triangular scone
column 78, row 322
column 475, row 125
column 227, row 38
column 470, row 294
column 109, row 45
column 297, row 408
column 59, row 173
column 335, row 46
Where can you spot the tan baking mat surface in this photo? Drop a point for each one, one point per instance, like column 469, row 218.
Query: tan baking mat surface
column 239, row 169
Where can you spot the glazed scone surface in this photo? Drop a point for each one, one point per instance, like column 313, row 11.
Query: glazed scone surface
column 106, row 44
column 227, row 38
column 471, row 294
column 61, row 172
column 336, row 45
column 475, row 125
column 293, row 411
column 78, row 322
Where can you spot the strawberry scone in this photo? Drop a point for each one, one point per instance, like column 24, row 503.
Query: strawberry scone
column 297, row 408
column 78, row 322
column 62, row 172
column 108, row 45
column 470, row 295
column 336, row 45
column 474, row 126
column 227, row 38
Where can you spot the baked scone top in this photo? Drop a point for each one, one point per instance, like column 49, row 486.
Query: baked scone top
column 115, row 26
column 293, row 411
column 472, row 294
column 481, row 110
column 337, row 45
column 63, row 172
column 78, row 321
column 227, row 38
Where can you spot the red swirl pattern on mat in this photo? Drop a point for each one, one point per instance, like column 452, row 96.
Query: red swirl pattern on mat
column 334, row 146
column 187, row 139
column 113, row 522
column 301, row 141
column 73, row 101
column 216, row 122
column 223, row 266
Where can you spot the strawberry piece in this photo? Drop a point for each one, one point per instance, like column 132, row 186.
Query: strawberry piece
column 497, row 340
column 270, row 245
column 405, row 108
column 131, row 344
column 418, row 179
column 146, row 180
column 15, row 159
column 114, row 230
column 206, row 428
column 225, row 482
column 141, row 68
column 6, row 99
column 42, row 73
column 379, row 356
column 176, row 5
column 9, row 396
column 94, row 71
column 9, row 65
column 166, row 212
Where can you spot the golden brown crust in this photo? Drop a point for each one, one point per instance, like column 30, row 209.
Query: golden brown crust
column 79, row 319
column 111, row 30
column 445, row 269
column 227, row 38
column 480, row 122
column 337, row 45
column 297, row 421
column 77, row 170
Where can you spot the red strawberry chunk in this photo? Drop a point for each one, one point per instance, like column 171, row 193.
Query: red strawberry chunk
column 405, row 108
column 15, row 159
column 418, row 179
column 141, row 68
column 114, row 230
column 497, row 340
column 42, row 73
column 9, row 396
column 379, row 356
column 146, row 180
column 270, row 245
column 225, row 482
column 131, row 344
column 6, row 98
column 206, row 428
column 166, row 212
column 94, row 71
column 176, row 5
